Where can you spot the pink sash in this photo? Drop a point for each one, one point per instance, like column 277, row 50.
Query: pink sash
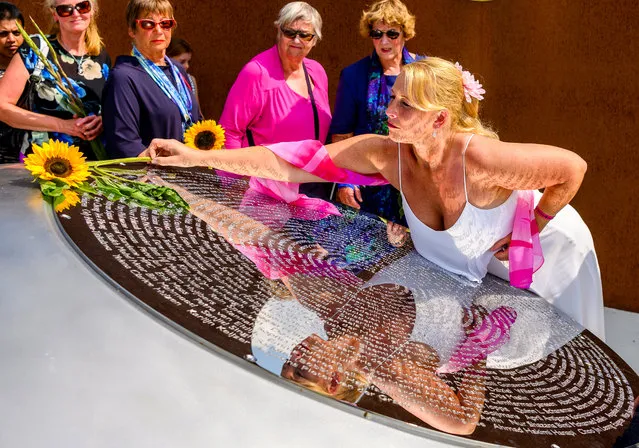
column 525, row 256
column 490, row 333
column 312, row 157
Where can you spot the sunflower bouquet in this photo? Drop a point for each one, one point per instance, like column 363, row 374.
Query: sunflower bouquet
column 70, row 99
column 205, row 136
column 64, row 174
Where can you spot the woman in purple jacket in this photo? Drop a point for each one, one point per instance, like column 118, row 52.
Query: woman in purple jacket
column 148, row 95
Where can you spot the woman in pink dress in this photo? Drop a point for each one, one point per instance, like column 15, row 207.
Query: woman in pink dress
column 281, row 95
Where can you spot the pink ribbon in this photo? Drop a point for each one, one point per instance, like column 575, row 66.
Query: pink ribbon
column 312, row 157
column 490, row 333
column 524, row 254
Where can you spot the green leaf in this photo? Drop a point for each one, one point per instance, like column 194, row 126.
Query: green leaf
column 52, row 189
column 87, row 188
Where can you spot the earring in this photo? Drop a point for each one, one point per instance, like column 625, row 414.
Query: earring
column 434, row 133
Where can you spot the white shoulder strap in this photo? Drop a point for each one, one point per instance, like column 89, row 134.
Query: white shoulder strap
column 464, row 164
column 44, row 49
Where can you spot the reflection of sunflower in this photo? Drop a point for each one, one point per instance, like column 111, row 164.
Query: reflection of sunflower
column 205, row 135
column 70, row 199
column 57, row 161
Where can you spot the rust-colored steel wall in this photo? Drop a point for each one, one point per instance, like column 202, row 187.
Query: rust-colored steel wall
column 559, row 72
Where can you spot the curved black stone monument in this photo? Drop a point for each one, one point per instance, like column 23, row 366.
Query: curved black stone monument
column 327, row 302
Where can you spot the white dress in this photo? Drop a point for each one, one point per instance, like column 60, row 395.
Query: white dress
column 569, row 279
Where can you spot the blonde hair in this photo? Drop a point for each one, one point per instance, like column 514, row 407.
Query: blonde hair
column 435, row 84
column 391, row 12
column 92, row 39
column 136, row 9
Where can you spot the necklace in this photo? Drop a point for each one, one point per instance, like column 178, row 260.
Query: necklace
column 77, row 61
column 80, row 69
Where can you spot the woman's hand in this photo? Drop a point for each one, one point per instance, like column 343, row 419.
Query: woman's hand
column 396, row 233
column 71, row 127
column 349, row 196
column 501, row 248
column 91, row 126
column 173, row 153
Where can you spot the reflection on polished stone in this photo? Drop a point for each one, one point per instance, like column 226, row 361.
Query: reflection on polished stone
column 330, row 303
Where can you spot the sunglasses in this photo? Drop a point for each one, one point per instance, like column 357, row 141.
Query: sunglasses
column 292, row 34
column 148, row 24
column 377, row 34
column 67, row 10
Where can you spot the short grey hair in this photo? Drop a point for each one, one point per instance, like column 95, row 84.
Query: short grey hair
column 294, row 11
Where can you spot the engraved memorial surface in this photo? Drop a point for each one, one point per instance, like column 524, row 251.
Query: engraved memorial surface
column 327, row 302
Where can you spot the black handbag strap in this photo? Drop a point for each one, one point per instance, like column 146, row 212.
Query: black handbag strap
column 312, row 97
column 249, row 134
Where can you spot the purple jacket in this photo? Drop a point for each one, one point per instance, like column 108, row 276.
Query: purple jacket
column 135, row 110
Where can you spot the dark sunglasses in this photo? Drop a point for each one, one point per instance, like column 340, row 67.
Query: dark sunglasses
column 377, row 34
column 67, row 10
column 148, row 24
column 303, row 35
column 4, row 34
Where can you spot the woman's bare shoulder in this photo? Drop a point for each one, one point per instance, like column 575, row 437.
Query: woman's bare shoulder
column 365, row 153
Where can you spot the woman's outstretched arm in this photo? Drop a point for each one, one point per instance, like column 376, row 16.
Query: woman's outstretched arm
column 362, row 154
column 409, row 379
column 256, row 161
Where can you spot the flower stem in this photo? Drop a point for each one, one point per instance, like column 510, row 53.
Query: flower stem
column 104, row 173
column 118, row 161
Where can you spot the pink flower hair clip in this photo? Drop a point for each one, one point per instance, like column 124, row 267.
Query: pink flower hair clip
column 472, row 87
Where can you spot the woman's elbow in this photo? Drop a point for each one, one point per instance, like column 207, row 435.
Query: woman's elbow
column 5, row 111
column 467, row 428
column 579, row 168
column 583, row 167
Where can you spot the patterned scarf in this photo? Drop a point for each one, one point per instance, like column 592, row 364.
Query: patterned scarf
column 179, row 96
column 379, row 94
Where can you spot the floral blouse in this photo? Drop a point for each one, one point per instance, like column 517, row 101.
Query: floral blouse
column 88, row 74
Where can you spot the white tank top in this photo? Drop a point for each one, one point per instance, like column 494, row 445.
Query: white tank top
column 463, row 248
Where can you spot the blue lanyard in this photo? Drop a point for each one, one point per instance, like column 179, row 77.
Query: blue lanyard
column 179, row 96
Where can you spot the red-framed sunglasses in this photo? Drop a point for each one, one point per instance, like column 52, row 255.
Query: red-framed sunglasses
column 148, row 24
column 67, row 10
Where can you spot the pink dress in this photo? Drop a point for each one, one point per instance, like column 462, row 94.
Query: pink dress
column 260, row 100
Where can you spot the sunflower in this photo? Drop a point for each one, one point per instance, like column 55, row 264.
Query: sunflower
column 205, row 135
column 70, row 199
column 56, row 160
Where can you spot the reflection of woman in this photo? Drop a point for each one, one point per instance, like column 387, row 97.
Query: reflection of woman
column 369, row 330
column 364, row 92
column 78, row 47
column 459, row 184
column 365, row 346
column 148, row 96
column 281, row 95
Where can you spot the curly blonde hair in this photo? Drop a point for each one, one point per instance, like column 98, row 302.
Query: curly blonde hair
column 435, row 84
column 391, row 12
